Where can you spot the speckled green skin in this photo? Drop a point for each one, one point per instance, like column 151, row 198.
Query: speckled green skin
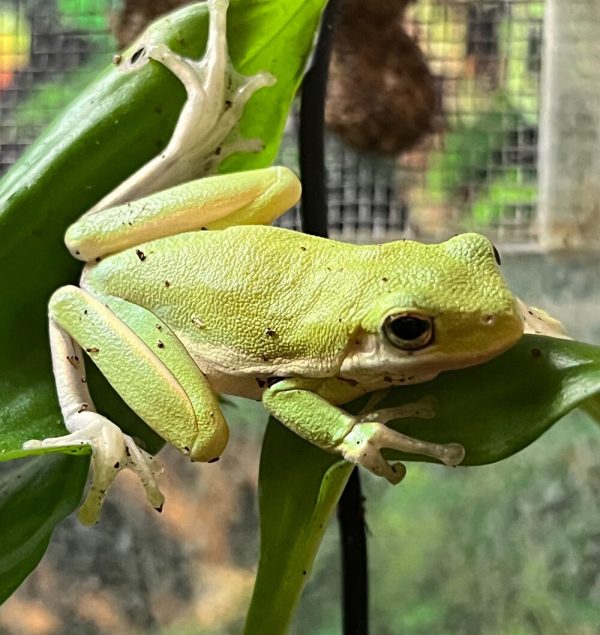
column 178, row 312
column 254, row 302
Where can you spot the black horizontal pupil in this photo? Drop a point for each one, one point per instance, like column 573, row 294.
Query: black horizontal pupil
column 409, row 328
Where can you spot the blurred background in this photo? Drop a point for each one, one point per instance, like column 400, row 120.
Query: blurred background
column 444, row 116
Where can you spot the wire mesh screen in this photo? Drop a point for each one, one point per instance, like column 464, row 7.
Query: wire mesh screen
column 49, row 50
column 479, row 171
column 455, row 151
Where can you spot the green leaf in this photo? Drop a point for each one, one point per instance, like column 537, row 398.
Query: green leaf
column 34, row 498
column 494, row 410
column 113, row 127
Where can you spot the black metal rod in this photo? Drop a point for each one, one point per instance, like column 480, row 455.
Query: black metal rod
column 311, row 136
column 353, row 537
column 351, row 520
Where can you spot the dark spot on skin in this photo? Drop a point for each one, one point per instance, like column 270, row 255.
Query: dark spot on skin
column 384, row 279
column 85, row 312
column 340, row 320
column 265, row 358
column 127, row 451
column 98, row 259
column 204, row 229
column 167, row 284
column 352, row 382
column 213, row 460
column 218, row 151
column 228, row 104
column 77, row 253
column 304, row 572
column 387, row 379
column 140, row 254
column 159, row 508
column 158, row 111
column 83, row 380
column 92, row 350
column 302, row 248
column 73, row 360
column 402, row 380
column 410, row 378
column 83, row 407
column 536, row 352
column 160, row 344
column 328, row 268
column 261, row 382
column 530, row 312
column 159, row 327
column 186, row 448
column 270, row 332
column 136, row 56
column 117, row 465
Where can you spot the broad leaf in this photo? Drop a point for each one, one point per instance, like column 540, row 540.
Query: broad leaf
column 34, row 498
column 494, row 410
column 115, row 125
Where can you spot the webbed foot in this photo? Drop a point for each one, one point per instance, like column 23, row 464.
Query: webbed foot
column 369, row 435
column 205, row 131
column 112, row 451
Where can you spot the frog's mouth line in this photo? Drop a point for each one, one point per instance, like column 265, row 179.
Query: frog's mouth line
column 372, row 362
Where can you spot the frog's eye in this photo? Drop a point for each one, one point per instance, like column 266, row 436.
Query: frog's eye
column 409, row 331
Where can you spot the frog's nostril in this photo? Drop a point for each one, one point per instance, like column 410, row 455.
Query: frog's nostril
column 488, row 320
column 136, row 56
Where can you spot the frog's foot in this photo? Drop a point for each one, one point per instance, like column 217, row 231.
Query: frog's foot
column 216, row 97
column 112, row 451
column 369, row 435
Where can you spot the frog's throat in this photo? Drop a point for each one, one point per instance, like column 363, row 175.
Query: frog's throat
column 375, row 365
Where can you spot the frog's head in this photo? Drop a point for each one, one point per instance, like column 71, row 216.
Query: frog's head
column 433, row 308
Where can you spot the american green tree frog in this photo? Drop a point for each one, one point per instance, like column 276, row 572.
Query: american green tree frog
column 188, row 292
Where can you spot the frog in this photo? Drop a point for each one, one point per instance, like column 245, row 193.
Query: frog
column 188, row 292
column 191, row 293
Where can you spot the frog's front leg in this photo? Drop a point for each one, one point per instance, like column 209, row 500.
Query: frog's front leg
column 112, row 451
column 302, row 405
column 216, row 97
column 149, row 367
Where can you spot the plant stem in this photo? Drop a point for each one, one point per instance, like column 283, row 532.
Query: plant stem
column 355, row 591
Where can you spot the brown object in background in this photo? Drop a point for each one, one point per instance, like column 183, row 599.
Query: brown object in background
column 381, row 95
column 135, row 16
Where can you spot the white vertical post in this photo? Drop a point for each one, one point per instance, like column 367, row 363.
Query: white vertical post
column 569, row 157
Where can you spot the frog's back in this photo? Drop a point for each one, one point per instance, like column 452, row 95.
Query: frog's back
column 268, row 293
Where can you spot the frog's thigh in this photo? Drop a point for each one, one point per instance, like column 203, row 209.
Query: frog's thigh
column 304, row 406
column 254, row 197
column 148, row 366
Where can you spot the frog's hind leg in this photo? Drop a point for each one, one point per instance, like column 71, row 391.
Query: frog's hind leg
column 151, row 371
column 216, row 97
column 254, row 197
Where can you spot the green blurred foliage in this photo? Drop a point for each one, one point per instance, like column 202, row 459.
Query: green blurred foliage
column 507, row 549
